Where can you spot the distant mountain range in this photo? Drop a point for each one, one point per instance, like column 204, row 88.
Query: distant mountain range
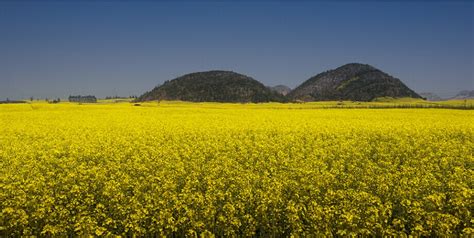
column 431, row 96
column 281, row 89
column 355, row 82
column 465, row 94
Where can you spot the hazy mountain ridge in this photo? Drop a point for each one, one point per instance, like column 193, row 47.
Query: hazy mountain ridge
column 465, row 94
column 281, row 89
column 431, row 96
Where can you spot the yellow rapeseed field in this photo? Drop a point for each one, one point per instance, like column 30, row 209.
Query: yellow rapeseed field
column 203, row 169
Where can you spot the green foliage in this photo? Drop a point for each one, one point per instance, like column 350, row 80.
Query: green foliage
column 354, row 82
column 213, row 86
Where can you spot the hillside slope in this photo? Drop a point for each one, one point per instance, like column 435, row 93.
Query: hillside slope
column 356, row 82
column 213, row 86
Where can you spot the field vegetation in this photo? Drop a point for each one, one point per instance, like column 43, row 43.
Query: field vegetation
column 212, row 169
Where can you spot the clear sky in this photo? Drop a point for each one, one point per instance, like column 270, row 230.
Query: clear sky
column 54, row 49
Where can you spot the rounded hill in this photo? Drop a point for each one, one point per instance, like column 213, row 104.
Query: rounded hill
column 213, row 86
column 356, row 82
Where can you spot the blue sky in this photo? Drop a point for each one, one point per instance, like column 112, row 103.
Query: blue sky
column 56, row 48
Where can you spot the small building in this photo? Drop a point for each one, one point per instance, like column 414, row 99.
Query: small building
column 83, row 99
